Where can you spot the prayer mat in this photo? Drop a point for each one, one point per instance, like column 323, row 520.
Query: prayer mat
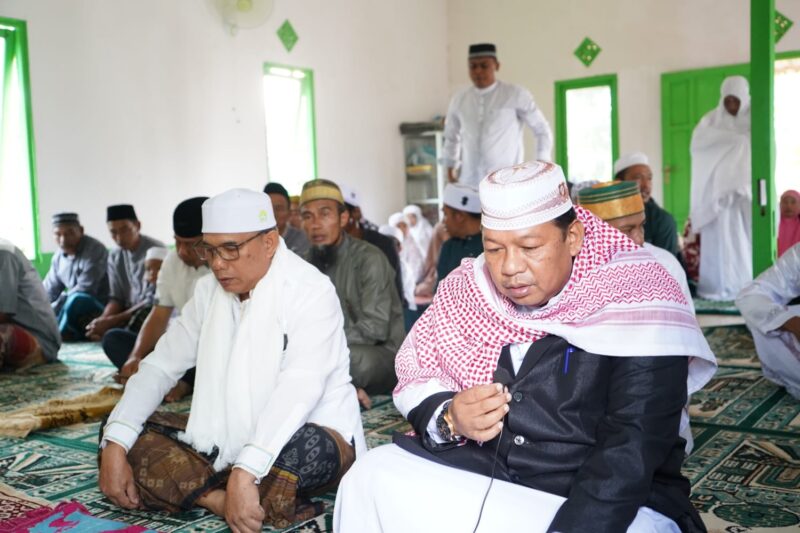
column 14, row 504
column 740, row 416
column 711, row 307
column 67, row 516
column 57, row 412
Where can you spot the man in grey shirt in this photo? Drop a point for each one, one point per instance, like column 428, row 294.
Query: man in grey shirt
column 28, row 329
column 77, row 282
column 294, row 238
column 128, row 291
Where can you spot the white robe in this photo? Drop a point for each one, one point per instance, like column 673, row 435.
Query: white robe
column 722, row 195
column 374, row 497
column 483, row 130
column 764, row 306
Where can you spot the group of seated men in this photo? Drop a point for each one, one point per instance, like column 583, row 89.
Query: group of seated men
column 516, row 370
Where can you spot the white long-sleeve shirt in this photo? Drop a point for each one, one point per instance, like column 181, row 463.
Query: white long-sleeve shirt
column 764, row 301
column 765, row 306
column 483, row 130
column 313, row 385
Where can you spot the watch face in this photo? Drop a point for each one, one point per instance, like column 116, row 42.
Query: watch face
column 442, row 426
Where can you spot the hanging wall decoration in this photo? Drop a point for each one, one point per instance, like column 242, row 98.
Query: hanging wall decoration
column 587, row 51
column 287, row 35
column 782, row 25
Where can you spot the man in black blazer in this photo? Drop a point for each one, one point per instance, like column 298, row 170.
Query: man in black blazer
column 558, row 363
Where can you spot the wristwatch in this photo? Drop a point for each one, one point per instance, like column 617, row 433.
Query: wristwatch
column 444, row 424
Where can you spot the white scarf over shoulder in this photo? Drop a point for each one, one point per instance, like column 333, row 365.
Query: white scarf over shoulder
column 237, row 365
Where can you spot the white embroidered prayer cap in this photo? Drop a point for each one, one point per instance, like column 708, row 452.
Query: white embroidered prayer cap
column 238, row 211
column 523, row 196
column 350, row 195
column 630, row 159
column 156, row 252
column 462, row 197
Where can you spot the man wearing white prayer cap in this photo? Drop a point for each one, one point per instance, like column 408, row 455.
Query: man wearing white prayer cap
column 462, row 219
column 484, row 123
column 557, row 362
column 659, row 227
column 274, row 414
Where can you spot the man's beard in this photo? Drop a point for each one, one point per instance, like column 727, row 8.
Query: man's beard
column 323, row 256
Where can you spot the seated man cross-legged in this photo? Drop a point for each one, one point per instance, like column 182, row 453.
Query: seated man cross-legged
column 274, row 415
column 77, row 282
column 558, row 362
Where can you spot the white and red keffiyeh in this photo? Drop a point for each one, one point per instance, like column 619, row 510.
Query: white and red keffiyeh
column 616, row 291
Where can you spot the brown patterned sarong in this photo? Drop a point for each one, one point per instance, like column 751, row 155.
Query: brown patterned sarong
column 170, row 475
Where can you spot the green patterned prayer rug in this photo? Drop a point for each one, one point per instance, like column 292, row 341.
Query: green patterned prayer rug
column 745, row 469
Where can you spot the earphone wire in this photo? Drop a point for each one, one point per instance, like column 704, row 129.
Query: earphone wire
column 491, row 479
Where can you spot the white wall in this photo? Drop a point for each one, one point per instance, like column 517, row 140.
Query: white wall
column 640, row 40
column 152, row 101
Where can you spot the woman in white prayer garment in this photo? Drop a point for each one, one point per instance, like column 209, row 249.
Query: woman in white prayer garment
column 419, row 227
column 767, row 307
column 722, row 193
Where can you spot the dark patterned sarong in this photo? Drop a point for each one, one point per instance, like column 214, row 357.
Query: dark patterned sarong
column 170, row 475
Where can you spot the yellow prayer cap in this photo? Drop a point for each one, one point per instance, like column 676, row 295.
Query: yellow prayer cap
column 613, row 199
column 320, row 190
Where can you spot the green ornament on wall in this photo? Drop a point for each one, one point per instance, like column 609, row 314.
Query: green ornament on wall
column 587, row 51
column 287, row 35
column 782, row 25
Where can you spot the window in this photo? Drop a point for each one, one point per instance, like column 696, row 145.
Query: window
column 586, row 127
column 18, row 206
column 289, row 113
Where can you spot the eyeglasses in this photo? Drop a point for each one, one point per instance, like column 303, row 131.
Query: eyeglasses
column 227, row 252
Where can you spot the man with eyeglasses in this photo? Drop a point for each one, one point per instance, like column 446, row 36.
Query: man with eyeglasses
column 364, row 281
column 274, row 415
column 128, row 290
column 180, row 272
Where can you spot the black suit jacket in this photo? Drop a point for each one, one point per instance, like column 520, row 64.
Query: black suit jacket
column 600, row 431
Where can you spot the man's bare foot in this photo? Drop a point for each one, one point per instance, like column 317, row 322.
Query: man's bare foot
column 178, row 392
column 214, row 501
column 363, row 399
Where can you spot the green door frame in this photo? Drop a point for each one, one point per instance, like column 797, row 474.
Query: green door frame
column 609, row 80
column 762, row 74
column 15, row 33
column 307, row 92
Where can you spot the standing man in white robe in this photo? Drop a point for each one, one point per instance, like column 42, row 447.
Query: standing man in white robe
column 767, row 306
column 483, row 128
column 722, row 193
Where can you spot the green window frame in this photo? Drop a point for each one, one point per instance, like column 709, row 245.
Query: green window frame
column 306, row 78
column 15, row 36
column 561, row 89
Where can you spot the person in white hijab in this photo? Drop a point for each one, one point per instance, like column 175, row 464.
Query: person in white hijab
column 273, row 402
column 722, row 193
column 419, row 227
column 412, row 261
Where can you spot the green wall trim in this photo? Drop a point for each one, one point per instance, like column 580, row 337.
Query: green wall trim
column 19, row 30
column 561, row 89
column 762, row 74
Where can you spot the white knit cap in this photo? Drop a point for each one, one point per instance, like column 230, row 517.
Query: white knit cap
column 628, row 160
column 523, row 196
column 156, row 252
column 462, row 197
column 350, row 195
column 238, row 211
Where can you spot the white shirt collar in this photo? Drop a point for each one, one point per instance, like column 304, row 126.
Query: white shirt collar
column 486, row 90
